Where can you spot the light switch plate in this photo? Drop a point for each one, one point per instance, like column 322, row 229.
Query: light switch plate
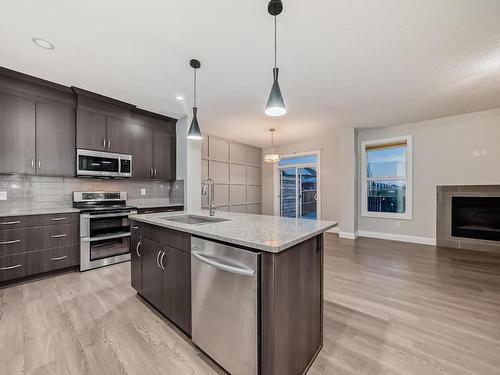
column 143, row 191
column 3, row 195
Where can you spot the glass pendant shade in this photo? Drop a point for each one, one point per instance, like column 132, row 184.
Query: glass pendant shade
column 272, row 157
column 275, row 104
column 194, row 130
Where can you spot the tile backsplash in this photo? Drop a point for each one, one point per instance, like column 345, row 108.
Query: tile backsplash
column 32, row 192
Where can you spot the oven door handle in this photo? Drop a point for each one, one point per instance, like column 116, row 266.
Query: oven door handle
column 109, row 237
column 117, row 215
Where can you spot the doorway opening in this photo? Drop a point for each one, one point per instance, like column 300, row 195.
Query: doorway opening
column 297, row 178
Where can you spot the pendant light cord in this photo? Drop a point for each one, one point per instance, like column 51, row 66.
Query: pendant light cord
column 275, row 44
column 195, row 87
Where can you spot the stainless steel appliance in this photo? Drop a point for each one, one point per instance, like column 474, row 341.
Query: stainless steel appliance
column 104, row 228
column 103, row 164
column 225, row 303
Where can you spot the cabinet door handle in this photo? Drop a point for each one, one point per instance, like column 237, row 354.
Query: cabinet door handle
column 158, row 259
column 155, row 172
column 137, row 249
column 59, row 235
column 10, row 267
column 11, row 222
column 39, row 163
column 32, row 163
column 9, row 242
column 151, row 172
column 104, row 142
column 59, row 258
column 161, row 261
column 58, row 218
column 109, row 144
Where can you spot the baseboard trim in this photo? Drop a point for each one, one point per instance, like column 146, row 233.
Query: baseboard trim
column 398, row 237
column 348, row 235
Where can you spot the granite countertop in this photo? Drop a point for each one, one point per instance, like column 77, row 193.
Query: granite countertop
column 152, row 203
column 37, row 211
column 268, row 233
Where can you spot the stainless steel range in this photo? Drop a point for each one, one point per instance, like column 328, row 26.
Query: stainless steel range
column 104, row 228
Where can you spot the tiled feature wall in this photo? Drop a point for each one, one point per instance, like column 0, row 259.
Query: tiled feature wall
column 236, row 171
column 33, row 192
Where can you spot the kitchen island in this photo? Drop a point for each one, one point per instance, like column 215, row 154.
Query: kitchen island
column 248, row 289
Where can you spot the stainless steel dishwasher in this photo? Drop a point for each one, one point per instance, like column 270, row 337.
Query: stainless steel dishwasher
column 225, row 304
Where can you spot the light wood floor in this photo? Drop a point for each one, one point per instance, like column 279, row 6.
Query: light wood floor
column 390, row 308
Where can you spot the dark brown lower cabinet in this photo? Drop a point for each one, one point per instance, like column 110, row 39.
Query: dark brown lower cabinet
column 152, row 274
column 161, row 274
column 35, row 244
column 177, row 287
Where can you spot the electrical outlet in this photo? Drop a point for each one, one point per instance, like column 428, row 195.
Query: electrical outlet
column 143, row 191
column 3, row 195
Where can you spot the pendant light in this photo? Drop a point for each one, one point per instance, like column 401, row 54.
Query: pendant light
column 275, row 104
column 194, row 130
column 272, row 157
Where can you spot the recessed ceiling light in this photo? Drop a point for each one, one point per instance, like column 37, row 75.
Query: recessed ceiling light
column 179, row 97
column 43, row 43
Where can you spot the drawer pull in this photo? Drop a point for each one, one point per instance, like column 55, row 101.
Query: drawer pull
column 59, row 235
column 58, row 218
column 9, row 242
column 149, row 212
column 135, row 227
column 10, row 267
column 11, row 222
column 59, row 258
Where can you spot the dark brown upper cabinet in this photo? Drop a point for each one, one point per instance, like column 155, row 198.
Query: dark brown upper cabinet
column 98, row 132
column 164, row 155
column 90, row 130
column 142, row 151
column 37, row 119
column 55, row 139
column 17, row 141
column 119, row 135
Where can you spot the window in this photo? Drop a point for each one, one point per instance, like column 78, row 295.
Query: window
column 386, row 178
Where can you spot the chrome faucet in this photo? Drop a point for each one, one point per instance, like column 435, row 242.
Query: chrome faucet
column 209, row 183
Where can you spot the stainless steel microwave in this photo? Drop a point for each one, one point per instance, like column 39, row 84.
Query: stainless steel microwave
column 103, row 164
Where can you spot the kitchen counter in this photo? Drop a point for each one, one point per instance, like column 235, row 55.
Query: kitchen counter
column 152, row 203
column 37, row 211
column 267, row 233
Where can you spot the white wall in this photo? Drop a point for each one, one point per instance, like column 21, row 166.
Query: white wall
column 443, row 154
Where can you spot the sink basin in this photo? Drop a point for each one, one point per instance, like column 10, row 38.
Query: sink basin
column 193, row 219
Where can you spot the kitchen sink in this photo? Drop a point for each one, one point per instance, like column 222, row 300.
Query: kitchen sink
column 193, row 219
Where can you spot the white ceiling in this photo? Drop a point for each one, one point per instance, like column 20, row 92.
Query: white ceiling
column 361, row 63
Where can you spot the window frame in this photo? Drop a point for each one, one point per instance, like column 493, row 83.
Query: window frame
column 408, row 215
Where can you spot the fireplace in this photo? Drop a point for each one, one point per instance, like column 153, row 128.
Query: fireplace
column 468, row 217
column 476, row 217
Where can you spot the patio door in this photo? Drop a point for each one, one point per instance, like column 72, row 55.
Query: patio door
column 298, row 196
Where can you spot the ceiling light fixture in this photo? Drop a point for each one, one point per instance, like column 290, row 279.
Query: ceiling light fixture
column 272, row 157
column 180, row 98
column 42, row 43
column 275, row 104
column 194, row 130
